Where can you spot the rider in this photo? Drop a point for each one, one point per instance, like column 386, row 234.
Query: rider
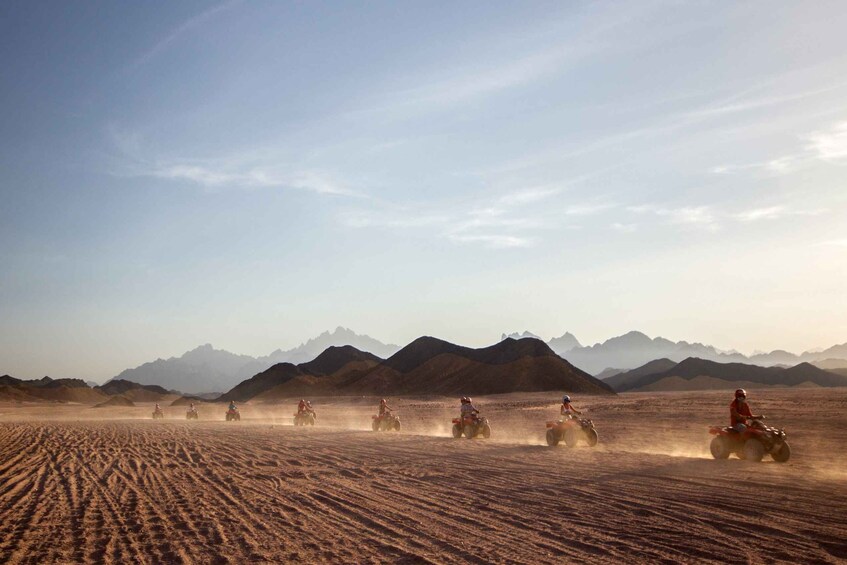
column 157, row 408
column 567, row 410
column 232, row 406
column 309, row 407
column 301, row 406
column 467, row 409
column 191, row 407
column 740, row 412
column 383, row 408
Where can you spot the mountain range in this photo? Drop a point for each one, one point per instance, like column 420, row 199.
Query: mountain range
column 426, row 366
column 634, row 349
column 206, row 369
column 702, row 374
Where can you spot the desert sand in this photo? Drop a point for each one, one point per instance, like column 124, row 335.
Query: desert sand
column 110, row 485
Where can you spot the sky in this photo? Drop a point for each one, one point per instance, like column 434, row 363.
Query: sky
column 250, row 174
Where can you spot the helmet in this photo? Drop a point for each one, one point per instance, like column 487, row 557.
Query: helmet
column 464, row 400
column 383, row 401
column 740, row 393
column 469, row 399
column 566, row 399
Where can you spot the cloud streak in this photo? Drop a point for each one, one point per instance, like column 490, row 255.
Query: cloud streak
column 830, row 145
column 188, row 25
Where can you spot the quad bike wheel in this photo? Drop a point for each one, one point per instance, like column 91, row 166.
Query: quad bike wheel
column 486, row 431
column 591, row 437
column 753, row 450
column 311, row 420
column 396, row 425
column 375, row 425
column 719, row 447
column 469, row 431
column 457, row 431
column 571, row 437
column 783, row 454
column 552, row 438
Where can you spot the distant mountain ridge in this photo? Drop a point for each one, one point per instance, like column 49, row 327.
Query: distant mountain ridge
column 78, row 391
column 634, row 349
column 206, row 369
column 701, row 374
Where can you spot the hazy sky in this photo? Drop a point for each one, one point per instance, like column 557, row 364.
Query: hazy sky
column 253, row 173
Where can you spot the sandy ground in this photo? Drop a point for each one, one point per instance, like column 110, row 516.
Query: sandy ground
column 79, row 484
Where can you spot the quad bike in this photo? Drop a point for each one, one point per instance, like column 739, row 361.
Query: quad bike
column 305, row 418
column 571, row 430
column 158, row 414
column 233, row 415
column 471, row 425
column 752, row 444
column 191, row 414
column 386, row 423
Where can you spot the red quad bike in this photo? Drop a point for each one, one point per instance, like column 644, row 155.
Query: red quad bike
column 471, row 426
column 752, row 444
column 386, row 423
column 158, row 414
column 305, row 418
column 571, row 430
column 191, row 414
column 233, row 415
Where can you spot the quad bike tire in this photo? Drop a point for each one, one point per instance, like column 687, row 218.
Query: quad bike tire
column 571, row 437
column 310, row 420
column 457, row 431
column 753, row 450
column 720, row 447
column 396, row 425
column 469, row 431
column 375, row 425
column 783, row 454
column 552, row 438
column 591, row 437
column 486, row 431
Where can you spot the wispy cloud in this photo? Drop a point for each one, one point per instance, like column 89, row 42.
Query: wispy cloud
column 769, row 213
column 528, row 195
column 188, row 25
column 776, row 213
column 830, row 145
column 624, row 228
column 493, row 240
column 207, row 175
column 696, row 216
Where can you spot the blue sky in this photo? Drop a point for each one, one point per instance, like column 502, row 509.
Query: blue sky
column 252, row 173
